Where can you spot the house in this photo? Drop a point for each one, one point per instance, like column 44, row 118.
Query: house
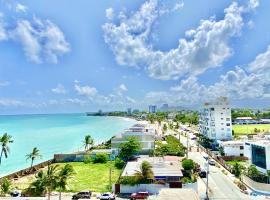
column 142, row 132
column 233, row 148
column 167, row 169
column 215, row 120
column 258, row 153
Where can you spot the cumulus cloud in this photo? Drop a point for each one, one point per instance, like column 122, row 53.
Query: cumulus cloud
column 20, row 8
column 59, row 89
column 86, row 91
column 123, row 87
column 3, row 34
column 110, row 13
column 206, row 46
column 41, row 40
column 247, row 82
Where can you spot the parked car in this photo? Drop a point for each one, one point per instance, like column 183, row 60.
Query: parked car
column 211, row 162
column 139, row 195
column 106, row 196
column 82, row 195
column 202, row 174
column 205, row 156
column 15, row 193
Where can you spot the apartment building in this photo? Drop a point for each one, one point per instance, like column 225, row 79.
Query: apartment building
column 215, row 120
column 152, row 109
column 233, row 148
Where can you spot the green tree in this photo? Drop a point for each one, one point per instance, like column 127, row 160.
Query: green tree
column 177, row 126
column 38, row 187
column 5, row 186
column 5, row 140
column 100, row 158
column 164, row 128
column 33, row 155
column 237, row 169
column 145, row 174
column 221, row 150
column 129, row 148
column 51, row 179
column 188, row 164
column 64, row 175
column 252, row 171
column 151, row 118
column 268, row 174
column 88, row 142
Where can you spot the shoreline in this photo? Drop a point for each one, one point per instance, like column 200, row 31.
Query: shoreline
column 18, row 171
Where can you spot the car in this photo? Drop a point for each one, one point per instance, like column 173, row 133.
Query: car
column 139, row 195
column 211, row 162
column 202, row 174
column 106, row 196
column 16, row 193
column 205, row 156
column 82, row 195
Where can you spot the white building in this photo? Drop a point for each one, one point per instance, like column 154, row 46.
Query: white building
column 144, row 134
column 233, row 148
column 152, row 109
column 258, row 153
column 215, row 120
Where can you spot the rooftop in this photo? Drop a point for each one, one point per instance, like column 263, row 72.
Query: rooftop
column 162, row 166
column 265, row 143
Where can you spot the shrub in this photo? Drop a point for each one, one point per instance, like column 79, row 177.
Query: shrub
column 5, row 186
column 119, row 164
column 100, row 158
column 188, row 164
column 129, row 180
column 87, row 159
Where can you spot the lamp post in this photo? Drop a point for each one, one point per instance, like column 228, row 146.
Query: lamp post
column 207, row 182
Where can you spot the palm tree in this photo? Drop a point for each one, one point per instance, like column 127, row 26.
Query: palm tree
column 5, row 186
column 88, row 140
column 65, row 173
column 51, row 179
column 33, row 155
column 145, row 174
column 268, row 174
column 38, row 187
column 5, row 140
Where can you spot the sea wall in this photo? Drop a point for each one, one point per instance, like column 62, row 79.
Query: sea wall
column 28, row 170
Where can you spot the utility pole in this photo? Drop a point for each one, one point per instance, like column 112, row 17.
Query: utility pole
column 110, row 174
column 207, row 174
column 187, row 145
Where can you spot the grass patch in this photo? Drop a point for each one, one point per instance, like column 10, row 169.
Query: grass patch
column 247, row 129
column 94, row 177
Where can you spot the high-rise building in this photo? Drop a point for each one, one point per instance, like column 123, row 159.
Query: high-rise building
column 165, row 107
column 152, row 109
column 215, row 120
column 129, row 111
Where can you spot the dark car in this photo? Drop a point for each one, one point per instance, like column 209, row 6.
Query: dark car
column 139, row 195
column 202, row 174
column 82, row 195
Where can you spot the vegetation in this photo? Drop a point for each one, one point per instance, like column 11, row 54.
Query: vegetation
column 65, row 174
column 119, row 164
column 100, row 158
column 33, row 155
column 129, row 148
column 249, row 113
column 172, row 147
column 5, row 186
column 253, row 173
column 188, row 164
column 145, row 175
column 205, row 141
column 237, row 169
column 221, row 150
column 247, row 129
column 190, row 118
column 164, row 128
column 88, row 142
column 5, row 140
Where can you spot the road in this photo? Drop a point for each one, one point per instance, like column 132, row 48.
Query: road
column 220, row 185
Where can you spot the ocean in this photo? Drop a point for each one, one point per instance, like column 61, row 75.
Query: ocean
column 59, row 133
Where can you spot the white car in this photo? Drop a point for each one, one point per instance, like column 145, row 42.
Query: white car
column 106, row 196
column 211, row 162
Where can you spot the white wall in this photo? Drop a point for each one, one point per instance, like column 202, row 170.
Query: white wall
column 151, row 188
column 233, row 150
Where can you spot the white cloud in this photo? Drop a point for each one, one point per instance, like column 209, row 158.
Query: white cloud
column 110, row 13
column 59, row 89
column 10, row 102
column 123, row 87
column 207, row 46
column 20, row 8
column 178, row 6
column 3, row 34
column 41, row 40
column 86, row 91
column 4, row 83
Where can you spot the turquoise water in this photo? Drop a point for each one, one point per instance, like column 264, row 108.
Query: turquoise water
column 61, row 133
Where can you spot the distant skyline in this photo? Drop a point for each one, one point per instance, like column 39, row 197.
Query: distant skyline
column 59, row 57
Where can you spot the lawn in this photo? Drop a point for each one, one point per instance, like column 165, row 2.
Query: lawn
column 250, row 129
column 94, row 177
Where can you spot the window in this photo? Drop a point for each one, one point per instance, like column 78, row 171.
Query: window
column 228, row 119
column 212, row 109
column 258, row 156
column 228, row 124
column 241, row 154
column 241, row 147
column 221, row 118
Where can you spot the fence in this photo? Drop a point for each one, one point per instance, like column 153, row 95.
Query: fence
column 151, row 188
column 28, row 170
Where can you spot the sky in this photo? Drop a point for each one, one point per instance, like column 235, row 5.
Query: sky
column 77, row 56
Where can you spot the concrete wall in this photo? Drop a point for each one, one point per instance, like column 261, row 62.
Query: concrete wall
column 259, row 187
column 151, row 188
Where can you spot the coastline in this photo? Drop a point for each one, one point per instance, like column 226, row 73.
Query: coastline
column 50, row 155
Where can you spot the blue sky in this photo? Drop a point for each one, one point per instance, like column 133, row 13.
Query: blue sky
column 70, row 56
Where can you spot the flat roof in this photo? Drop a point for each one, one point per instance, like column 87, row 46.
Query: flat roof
column 265, row 143
column 161, row 167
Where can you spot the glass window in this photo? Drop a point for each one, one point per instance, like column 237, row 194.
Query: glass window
column 258, row 156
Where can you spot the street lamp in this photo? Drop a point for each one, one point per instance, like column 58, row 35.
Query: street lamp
column 207, row 174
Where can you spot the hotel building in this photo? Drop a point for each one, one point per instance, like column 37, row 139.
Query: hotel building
column 215, row 120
